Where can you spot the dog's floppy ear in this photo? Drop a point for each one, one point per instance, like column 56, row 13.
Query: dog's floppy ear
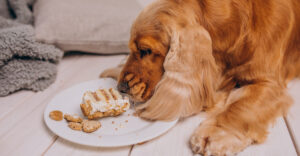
column 188, row 85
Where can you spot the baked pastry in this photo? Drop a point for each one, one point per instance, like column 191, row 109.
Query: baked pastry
column 56, row 115
column 73, row 118
column 103, row 103
column 75, row 126
column 90, row 126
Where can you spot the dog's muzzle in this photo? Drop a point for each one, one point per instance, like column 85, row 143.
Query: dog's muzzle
column 123, row 87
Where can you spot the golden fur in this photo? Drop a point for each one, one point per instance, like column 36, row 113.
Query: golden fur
column 231, row 58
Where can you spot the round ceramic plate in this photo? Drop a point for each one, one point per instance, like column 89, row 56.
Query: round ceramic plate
column 123, row 130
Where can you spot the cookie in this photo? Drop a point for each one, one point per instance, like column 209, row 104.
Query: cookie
column 90, row 126
column 73, row 118
column 75, row 126
column 56, row 115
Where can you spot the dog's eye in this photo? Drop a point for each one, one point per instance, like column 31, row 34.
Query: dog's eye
column 145, row 52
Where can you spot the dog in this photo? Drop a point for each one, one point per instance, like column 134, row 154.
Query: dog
column 230, row 58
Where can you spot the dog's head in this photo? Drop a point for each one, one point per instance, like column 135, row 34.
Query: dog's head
column 170, row 66
column 144, row 68
column 149, row 44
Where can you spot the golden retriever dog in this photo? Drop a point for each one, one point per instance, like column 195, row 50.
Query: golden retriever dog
column 230, row 58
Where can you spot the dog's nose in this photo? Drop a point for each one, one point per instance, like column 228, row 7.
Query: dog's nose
column 123, row 87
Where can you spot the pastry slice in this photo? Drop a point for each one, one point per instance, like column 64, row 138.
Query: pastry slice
column 103, row 103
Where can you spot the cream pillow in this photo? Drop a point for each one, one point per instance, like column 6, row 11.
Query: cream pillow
column 97, row 26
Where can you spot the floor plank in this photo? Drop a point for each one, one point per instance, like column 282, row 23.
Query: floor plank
column 293, row 118
column 64, row 147
column 24, row 131
column 175, row 142
column 279, row 143
column 9, row 103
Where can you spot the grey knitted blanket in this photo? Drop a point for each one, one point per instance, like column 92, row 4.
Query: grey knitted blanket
column 24, row 63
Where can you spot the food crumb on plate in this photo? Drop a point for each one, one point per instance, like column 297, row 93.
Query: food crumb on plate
column 113, row 122
column 126, row 121
column 135, row 114
column 116, row 129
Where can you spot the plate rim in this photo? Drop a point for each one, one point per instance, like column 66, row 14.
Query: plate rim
column 154, row 134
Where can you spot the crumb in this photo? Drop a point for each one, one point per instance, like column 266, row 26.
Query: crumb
column 121, row 126
column 99, row 136
column 73, row 118
column 128, row 114
column 90, row 126
column 56, row 115
column 75, row 126
column 126, row 121
column 113, row 122
column 135, row 114
column 116, row 129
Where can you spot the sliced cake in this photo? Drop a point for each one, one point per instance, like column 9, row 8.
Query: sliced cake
column 103, row 103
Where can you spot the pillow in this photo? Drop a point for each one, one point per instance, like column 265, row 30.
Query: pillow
column 97, row 26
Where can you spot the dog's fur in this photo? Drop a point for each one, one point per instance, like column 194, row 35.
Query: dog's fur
column 232, row 58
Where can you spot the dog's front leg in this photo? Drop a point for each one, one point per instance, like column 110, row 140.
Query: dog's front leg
column 247, row 115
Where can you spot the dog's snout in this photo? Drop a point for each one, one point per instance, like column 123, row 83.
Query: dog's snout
column 123, row 87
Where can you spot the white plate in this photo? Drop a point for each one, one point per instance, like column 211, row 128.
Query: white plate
column 121, row 133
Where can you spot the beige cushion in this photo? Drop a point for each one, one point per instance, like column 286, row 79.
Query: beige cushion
column 97, row 26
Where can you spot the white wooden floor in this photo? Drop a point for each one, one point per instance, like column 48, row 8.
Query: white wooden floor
column 23, row 132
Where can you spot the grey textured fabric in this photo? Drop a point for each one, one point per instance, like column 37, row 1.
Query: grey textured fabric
column 24, row 62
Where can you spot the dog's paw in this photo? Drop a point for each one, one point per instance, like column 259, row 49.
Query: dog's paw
column 210, row 139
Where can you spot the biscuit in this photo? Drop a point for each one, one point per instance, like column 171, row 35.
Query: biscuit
column 73, row 118
column 56, row 115
column 90, row 126
column 75, row 126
